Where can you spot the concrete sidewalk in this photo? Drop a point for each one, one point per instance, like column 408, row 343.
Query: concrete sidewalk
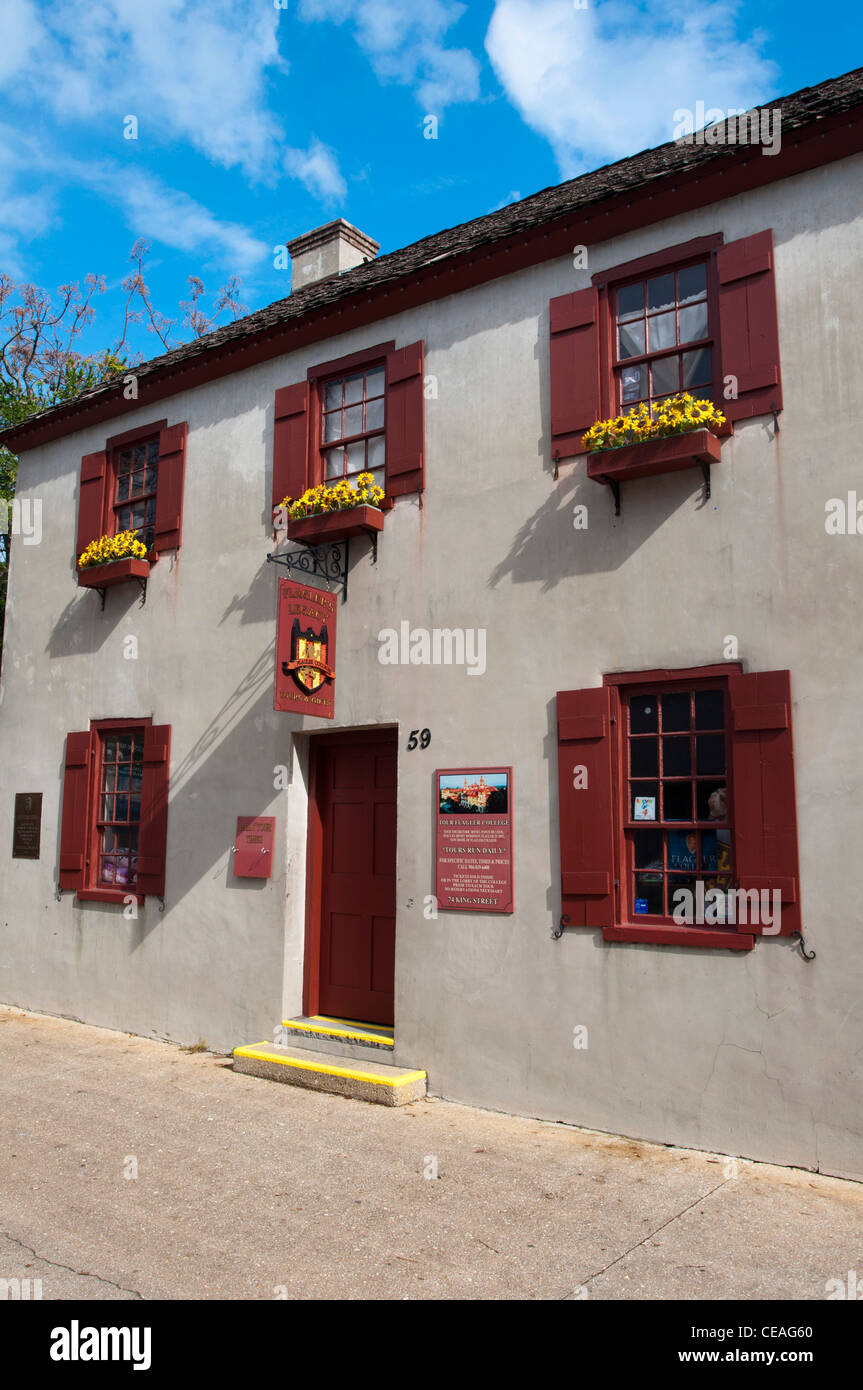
column 250, row 1190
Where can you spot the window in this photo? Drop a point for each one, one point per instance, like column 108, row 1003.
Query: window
column 679, row 780
column 135, row 483
column 676, row 825
column 655, row 319
column 114, row 823
column 355, row 414
column 687, row 318
column 136, row 473
column 352, row 413
column 121, row 773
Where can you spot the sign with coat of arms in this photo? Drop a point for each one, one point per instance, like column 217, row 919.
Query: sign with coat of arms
column 306, row 650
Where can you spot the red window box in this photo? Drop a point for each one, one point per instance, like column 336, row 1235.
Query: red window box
column 651, row 456
column 115, row 572
column 336, row 526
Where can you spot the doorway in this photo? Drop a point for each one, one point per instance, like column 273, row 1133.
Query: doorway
column 351, row 897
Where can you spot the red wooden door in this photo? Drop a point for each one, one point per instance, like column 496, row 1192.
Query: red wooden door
column 356, row 790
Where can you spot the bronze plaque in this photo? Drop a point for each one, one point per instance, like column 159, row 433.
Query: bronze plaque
column 27, row 827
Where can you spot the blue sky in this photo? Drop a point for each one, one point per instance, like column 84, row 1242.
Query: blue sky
column 260, row 119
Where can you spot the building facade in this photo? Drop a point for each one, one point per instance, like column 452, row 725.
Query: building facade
column 653, row 660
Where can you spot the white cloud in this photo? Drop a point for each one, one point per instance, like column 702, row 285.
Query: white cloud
column 406, row 43
column 318, row 169
column 604, row 82
column 190, row 72
column 170, row 216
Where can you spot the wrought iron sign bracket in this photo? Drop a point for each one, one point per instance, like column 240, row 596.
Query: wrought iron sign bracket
column 328, row 562
column 557, row 932
column 705, row 473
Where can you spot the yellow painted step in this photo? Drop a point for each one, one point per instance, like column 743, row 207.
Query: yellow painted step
column 379, row 1082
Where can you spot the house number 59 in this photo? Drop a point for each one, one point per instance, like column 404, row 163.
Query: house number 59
column 424, row 739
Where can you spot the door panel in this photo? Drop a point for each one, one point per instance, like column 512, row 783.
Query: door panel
column 356, row 790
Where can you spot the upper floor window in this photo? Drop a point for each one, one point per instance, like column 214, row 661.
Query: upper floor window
column 136, row 474
column 662, row 337
column 352, row 425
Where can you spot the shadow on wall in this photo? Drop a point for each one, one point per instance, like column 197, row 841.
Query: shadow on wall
column 82, row 628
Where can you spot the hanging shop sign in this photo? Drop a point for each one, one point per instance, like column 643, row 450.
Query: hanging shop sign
column 27, row 825
column 253, row 847
column 306, row 650
column 473, row 849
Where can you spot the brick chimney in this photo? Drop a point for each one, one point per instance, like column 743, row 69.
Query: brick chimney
column 328, row 251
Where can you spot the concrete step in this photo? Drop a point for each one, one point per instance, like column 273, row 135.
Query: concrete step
column 375, row 1081
column 361, row 1042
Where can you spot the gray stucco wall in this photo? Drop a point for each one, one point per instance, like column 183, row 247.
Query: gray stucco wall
column 759, row 1054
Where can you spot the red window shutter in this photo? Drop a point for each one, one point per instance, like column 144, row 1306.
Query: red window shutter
column 749, row 325
column 586, row 821
column 153, row 832
column 291, row 474
column 764, row 816
column 91, row 500
column 75, row 820
column 405, row 411
column 169, row 491
column 574, row 353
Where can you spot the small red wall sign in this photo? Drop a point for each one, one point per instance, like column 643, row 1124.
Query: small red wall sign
column 473, row 841
column 306, row 650
column 253, row 847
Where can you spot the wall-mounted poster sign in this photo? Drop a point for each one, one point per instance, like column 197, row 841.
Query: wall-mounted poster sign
column 306, row 650
column 27, row 825
column 473, row 850
column 253, row 847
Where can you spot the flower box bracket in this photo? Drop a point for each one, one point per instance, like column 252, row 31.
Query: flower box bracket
column 105, row 577
column 697, row 448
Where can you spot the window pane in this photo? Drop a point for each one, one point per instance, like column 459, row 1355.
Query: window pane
column 665, row 375
column 377, row 453
column 139, row 455
column 135, row 808
column 662, row 332
column 108, row 774
column 356, row 453
column 354, row 389
column 353, row 421
column 644, row 789
column 693, row 322
column 660, row 292
column 642, row 714
column 709, row 753
column 632, row 339
column 125, row 462
column 630, row 301
column 375, row 414
column 332, row 426
column 676, row 759
column 378, row 477
column 712, row 801
column 137, row 775
column 648, row 894
column 675, row 711
column 643, row 757
column 332, row 395
column 124, row 749
column 107, row 808
column 683, row 850
column 137, row 484
column 151, row 510
column 107, row 870
column 138, row 515
column 647, row 849
column 108, row 840
column 709, row 709
column 153, row 451
column 692, row 282
column 121, row 808
column 696, row 367
column 123, row 487
column 375, row 381
column 152, row 475
column 677, row 883
column 633, row 384
column 334, row 463
column 677, row 801
column 123, row 778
